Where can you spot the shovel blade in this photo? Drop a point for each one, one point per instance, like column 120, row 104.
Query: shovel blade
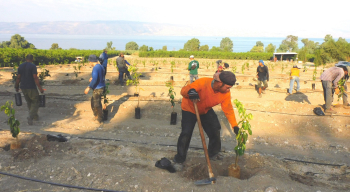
column 206, row 181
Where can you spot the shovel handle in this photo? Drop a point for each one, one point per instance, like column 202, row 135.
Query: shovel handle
column 211, row 174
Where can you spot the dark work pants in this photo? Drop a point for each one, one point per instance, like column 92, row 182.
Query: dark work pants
column 105, row 71
column 211, row 126
column 123, row 70
column 96, row 104
column 32, row 98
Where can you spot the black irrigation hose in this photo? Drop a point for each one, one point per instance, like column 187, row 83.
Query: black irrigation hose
column 57, row 184
column 144, row 143
column 312, row 162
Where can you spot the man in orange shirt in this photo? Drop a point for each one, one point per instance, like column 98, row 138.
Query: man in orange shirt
column 207, row 93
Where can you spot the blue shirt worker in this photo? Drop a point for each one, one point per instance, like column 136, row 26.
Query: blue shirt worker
column 121, row 64
column 28, row 78
column 97, row 84
column 104, row 59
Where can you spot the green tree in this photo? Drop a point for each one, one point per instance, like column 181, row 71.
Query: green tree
column 310, row 46
column 215, row 49
column 17, row 41
column 55, row 46
column 151, row 49
column 259, row 43
column 165, row 48
column 289, row 44
column 143, row 48
column 328, row 38
column 109, row 46
column 131, row 46
column 192, row 45
column 257, row 49
column 270, row 48
column 226, row 44
column 204, row 48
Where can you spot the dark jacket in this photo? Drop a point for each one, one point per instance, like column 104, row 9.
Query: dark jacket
column 104, row 58
column 263, row 73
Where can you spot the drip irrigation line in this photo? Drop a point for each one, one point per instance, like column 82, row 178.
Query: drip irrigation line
column 293, row 114
column 167, row 100
column 312, row 162
column 136, row 142
column 56, row 184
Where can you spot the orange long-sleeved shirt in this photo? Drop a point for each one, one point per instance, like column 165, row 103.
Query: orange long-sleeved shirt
column 208, row 99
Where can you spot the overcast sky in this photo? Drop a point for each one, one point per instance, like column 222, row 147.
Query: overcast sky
column 308, row 18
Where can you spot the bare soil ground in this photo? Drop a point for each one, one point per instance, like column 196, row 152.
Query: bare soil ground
column 291, row 148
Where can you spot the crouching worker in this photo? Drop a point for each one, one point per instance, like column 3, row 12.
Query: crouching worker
column 97, row 84
column 207, row 93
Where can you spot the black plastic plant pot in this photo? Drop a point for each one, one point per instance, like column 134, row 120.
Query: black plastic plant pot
column 137, row 113
column 18, row 99
column 41, row 100
column 105, row 114
column 313, row 86
column 173, row 118
column 136, row 94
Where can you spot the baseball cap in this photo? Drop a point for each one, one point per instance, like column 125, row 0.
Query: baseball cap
column 92, row 58
column 191, row 56
column 227, row 77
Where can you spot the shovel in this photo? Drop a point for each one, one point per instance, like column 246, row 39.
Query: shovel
column 211, row 179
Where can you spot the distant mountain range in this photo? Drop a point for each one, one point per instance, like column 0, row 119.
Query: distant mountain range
column 96, row 28
column 132, row 28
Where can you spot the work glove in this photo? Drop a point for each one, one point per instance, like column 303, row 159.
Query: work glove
column 192, row 93
column 236, row 129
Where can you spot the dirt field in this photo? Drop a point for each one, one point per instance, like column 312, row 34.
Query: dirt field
column 291, row 148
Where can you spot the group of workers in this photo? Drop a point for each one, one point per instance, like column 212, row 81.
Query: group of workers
column 205, row 92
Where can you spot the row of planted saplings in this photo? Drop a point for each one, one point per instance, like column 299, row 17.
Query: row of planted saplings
column 135, row 81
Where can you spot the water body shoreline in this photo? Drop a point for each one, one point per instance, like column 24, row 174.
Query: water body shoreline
column 173, row 43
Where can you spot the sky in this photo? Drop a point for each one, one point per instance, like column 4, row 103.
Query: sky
column 307, row 18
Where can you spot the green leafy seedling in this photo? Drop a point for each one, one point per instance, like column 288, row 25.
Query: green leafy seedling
column 341, row 84
column 171, row 93
column 135, row 79
column 12, row 121
column 43, row 74
column 314, row 74
column 104, row 94
column 243, row 68
column 243, row 132
column 172, row 66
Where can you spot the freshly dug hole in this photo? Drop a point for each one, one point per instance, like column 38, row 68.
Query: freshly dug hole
column 196, row 168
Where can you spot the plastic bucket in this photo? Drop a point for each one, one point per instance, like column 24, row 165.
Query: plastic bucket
column 173, row 118
column 137, row 113
column 18, row 99
column 41, row 100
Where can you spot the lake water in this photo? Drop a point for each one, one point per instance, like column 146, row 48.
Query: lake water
column 97, row 42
